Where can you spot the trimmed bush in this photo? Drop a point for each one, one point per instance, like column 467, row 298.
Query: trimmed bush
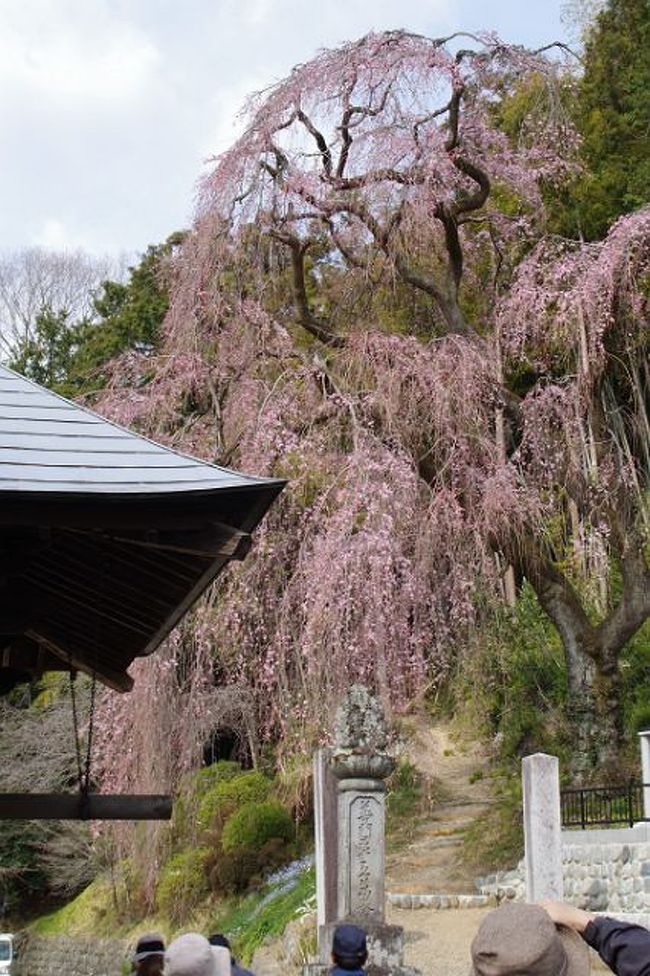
column 186, row 821
column 182, row 884
column 220, row 772
column 236, row 871
column 256, row 823
column 228, row 794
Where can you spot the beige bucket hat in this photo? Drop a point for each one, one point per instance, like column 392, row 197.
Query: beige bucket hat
column 521, row 940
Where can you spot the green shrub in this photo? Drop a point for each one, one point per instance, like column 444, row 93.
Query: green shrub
column 513, row 681
column 222, row 799
column 183, row 883
column 635, row 672
column 253, row 824
column 496, row 839
column 220, row 772
column 236, row 871
column 187, row 823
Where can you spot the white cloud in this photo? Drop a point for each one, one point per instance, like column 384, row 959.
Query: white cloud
column 56, row 235
column 73, row 50
column 110, row 107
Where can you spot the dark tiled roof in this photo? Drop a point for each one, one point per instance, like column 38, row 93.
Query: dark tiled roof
column 49, row 444
column 106, row 538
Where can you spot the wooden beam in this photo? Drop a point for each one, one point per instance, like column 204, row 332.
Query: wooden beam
column 75, row 806
column 25, row 655
column 179, row 510
column 117, row 680
column 207, row 541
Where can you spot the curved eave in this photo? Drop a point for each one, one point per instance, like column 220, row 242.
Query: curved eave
column 106, row 538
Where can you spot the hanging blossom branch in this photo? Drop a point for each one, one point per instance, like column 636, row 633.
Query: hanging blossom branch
column 388, row 158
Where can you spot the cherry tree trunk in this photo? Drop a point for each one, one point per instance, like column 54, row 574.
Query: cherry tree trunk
column 594, row 706
column 594, row 709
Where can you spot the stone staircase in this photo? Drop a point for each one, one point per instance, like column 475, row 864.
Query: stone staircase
column 429, row 871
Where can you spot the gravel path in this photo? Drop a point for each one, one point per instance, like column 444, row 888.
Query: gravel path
column 437, row 943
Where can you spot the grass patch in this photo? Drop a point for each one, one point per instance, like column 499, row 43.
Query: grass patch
column 249, row 922
column 410, row 798
column 79, row 916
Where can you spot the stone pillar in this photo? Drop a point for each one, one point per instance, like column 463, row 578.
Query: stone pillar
column 358, row 764
column 542, row 827
column 326, row 837
column 361, row 865
column 644, row 741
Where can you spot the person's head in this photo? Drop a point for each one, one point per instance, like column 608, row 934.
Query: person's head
column 219, row 941
column 349, row 947
column 190, row 955
column 151, row 966
column 149, row 954
column 522, row 940
column 223, row 960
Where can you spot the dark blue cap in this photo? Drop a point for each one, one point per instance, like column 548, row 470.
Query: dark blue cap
column 349, row 942
column 151, row 944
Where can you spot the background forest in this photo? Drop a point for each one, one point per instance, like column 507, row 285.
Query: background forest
column 416, row 288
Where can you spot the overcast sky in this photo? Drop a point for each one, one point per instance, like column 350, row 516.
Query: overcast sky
column 109, row 108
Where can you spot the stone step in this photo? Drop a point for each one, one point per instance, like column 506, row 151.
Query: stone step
column 460, row 803
column 445, row 840
column 446, row 828
column 439, row 902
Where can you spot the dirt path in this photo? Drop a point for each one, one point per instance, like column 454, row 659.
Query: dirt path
column 430, row 863
column 438, row 943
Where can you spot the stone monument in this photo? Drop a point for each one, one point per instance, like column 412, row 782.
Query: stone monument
column 352, row 788
column 542, row 827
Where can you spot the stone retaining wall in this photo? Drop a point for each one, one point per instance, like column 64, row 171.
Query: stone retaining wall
column 599, row 877
column 39, row 955
column 608, row 877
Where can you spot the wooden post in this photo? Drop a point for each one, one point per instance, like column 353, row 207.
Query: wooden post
column 75, row 806
column 542, row 827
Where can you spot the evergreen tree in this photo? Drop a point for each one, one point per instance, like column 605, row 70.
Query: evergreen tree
column 613, row 115
column 70, row 356
column 129, row 317
column 45, row 354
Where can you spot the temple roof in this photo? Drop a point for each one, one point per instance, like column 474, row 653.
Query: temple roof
column 106, row 538
column 48, row 444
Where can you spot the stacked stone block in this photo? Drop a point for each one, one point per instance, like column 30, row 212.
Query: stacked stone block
column 38, row 955
column 608, row 877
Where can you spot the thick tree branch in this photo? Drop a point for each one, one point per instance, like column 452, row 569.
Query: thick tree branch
column 448, row 306
column 348, row 122
column 560, row 600
column 602, row 642
column 632, row 610
column 306, row 318
column 452, row 242
column 454, row 118
column 409, row 177
column 319, row 139
column 468, row 202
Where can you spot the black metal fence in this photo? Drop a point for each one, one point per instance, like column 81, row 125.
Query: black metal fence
column 603, row 806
